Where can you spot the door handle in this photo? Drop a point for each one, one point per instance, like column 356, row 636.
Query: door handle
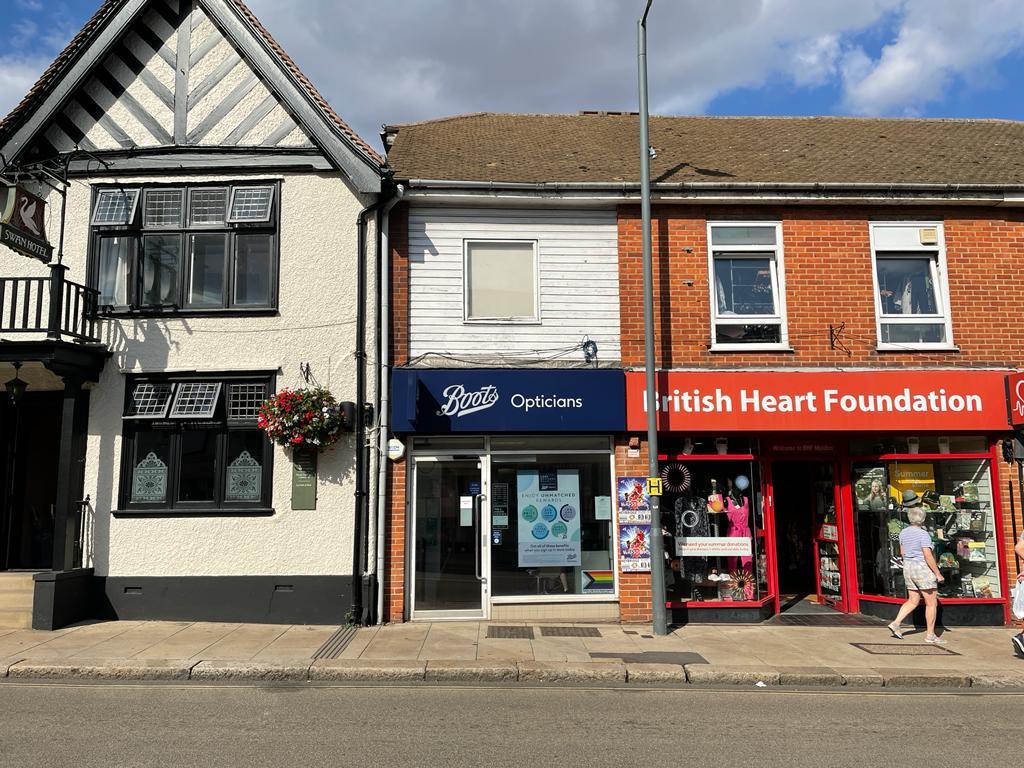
column 478, row 531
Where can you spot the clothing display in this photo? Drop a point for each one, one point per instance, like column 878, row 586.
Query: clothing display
column 738, row 515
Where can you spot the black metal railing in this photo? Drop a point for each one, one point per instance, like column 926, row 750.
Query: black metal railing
column 52, row 305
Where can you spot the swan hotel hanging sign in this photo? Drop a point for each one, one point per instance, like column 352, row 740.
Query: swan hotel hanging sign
column 21, row 223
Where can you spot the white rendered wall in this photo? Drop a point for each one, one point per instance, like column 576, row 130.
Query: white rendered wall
column 316, row 325
column 579, row 282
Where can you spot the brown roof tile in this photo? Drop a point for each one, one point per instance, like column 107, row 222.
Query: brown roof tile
column 81, row 40
column 603, row 149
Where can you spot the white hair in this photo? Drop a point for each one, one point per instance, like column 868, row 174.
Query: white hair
column 915, row 515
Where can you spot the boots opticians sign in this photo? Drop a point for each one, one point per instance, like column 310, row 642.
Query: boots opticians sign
column 921, row 400
column 498, row 400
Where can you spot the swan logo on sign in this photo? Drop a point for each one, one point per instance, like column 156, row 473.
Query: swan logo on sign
column 21, row 224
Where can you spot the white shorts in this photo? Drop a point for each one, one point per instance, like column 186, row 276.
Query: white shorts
column 918, row 575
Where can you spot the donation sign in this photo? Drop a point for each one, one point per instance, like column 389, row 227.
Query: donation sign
column 548, row 518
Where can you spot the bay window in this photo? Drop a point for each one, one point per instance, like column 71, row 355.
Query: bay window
column 747, row 287
column 190, row 249
column 191, row 445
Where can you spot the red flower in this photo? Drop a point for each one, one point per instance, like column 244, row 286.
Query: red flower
column 297, row 439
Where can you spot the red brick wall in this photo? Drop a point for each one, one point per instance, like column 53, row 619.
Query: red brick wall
column 394, row 569
column 398, row 239
column 828, row 281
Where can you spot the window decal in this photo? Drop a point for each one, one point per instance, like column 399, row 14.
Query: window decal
column 244, row 479
column 149, row 481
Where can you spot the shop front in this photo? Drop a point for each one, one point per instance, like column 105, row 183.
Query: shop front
column 783, row 489
column 508, row 500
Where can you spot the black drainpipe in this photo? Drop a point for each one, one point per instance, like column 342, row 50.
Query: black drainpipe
column 362, row 466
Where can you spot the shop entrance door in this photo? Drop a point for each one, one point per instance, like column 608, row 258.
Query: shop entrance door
column 450, row 553
column 806, row 504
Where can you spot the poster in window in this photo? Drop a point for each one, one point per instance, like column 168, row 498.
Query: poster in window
column 548, row 520
column 917, row 477
column 634, row 502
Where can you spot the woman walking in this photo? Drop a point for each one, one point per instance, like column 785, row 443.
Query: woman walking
column 920, row 570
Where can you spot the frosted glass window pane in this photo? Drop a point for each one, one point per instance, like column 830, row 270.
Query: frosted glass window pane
column 743, row 235
column 501, row 280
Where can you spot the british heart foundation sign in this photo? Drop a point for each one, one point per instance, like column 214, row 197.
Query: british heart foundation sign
column 1015, row 395
column 21, row 223
column 791, row 401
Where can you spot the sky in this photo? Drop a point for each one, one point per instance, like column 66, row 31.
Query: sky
column 407, row 60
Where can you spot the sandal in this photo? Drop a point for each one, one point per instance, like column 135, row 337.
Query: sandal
column 895, row 631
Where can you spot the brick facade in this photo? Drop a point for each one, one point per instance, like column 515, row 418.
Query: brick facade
column 827, row 258
column 828, row 281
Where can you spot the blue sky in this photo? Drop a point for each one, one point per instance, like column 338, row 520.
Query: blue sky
column 430, row 58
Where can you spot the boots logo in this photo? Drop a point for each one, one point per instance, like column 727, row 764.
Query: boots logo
column 461, row 403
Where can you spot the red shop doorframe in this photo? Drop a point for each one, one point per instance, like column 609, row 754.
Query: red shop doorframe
column 815, row 451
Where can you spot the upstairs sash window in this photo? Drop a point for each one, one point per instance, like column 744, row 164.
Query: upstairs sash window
column 186, row 248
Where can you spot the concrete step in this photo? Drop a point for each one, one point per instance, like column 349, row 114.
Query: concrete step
column 17, row 580
column 15, row 619
column 15, row 601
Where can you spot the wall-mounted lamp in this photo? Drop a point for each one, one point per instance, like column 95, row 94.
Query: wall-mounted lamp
column 16, row 387
column 590, row 350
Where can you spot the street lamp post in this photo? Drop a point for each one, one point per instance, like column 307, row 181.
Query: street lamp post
column 658, row 614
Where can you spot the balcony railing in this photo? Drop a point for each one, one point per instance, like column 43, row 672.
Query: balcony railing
column 51, row 305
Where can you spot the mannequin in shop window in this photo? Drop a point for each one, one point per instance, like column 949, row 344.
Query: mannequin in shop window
column 737, row 510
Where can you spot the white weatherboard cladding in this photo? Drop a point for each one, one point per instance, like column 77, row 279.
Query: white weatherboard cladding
column 579, row 282
column 316, row 325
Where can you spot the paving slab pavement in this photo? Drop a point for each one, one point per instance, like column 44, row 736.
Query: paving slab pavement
column 461, row 652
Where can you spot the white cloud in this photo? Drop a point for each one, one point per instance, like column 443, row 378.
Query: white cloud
column 939, row 44
column 31, row 5
column 17, row 75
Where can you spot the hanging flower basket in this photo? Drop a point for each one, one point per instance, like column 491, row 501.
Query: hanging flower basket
column 306, row 418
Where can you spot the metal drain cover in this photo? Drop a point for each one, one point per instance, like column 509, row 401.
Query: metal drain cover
column 510, row 633
column 570, row 632
column 901, row 649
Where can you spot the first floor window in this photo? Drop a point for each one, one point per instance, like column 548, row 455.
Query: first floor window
column 746, row 293
column 911, row 292
column 193, row 445
column 501, row 281
column 200, row 248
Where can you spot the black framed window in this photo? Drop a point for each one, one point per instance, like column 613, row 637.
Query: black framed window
column 192, row 249
column 191, row 444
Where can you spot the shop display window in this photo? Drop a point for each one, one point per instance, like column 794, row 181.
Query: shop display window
column 714, row 513
column 957, row 497
column 551, row 525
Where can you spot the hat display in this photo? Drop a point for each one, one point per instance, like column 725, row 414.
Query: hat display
column 911, row 499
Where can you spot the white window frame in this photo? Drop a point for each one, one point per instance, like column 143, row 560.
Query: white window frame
column 778, row 287
column 939, row 278
column 517, row 320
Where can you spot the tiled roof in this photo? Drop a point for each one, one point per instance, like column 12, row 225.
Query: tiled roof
column 81, row 41
column 603, row 149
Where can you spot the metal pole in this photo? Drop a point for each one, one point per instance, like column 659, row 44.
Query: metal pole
column 659, row 615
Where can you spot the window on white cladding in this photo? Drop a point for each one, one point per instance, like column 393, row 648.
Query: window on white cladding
column 747, row 287
column 911, row 292
column 501, row 280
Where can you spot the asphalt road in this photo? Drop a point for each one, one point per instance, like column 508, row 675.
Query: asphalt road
column 110, row 726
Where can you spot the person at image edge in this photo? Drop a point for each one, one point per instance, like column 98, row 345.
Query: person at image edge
column 1018, row 639
column 920, row 570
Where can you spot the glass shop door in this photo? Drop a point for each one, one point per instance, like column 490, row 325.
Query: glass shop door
column 449, row 538
column 828, row 544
